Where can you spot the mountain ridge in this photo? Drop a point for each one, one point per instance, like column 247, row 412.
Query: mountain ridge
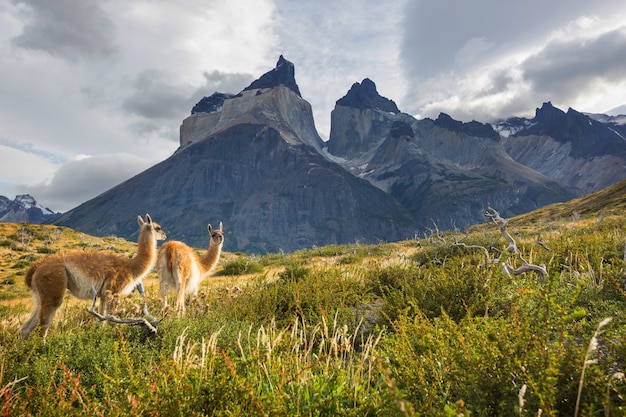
column 255, row 161
column 256, row 165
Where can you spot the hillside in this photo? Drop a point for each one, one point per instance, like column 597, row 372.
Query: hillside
column 608, row 202
column 448, row 323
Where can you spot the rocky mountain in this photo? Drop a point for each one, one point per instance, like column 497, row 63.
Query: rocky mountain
column 24, row 209
column 279, row 105
column 255, row 161
column 444, row 171
column 570, row 147
column 254, row 164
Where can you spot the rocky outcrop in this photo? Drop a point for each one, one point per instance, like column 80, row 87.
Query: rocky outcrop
column 360, row 121
column 255, row 162
column 270, row 194
column 274, row 103
column 365, row 96
column 211, row 104
column 444, row 171
column 283, row 74
column 473, row 128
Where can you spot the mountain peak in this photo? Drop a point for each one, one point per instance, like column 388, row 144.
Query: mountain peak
column 588, row 137
column 211, row 104
column 548, row 113
column 364, row 96
column 24, row 209
column 282, row 74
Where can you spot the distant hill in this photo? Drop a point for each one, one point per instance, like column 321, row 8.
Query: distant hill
column 608, row 201
column 24, row 209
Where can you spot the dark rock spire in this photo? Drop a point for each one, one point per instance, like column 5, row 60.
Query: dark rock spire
column 365, row 96
column 282, row 74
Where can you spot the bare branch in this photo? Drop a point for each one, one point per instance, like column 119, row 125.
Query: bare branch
column 540, row 269
column 512, row 248
column 540, row 243
column 133, row 321
column 482, row 248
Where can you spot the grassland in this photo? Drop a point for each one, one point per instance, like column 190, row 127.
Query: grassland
column 422, row 327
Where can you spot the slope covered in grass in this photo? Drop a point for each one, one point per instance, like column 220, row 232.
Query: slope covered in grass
column 431, row 326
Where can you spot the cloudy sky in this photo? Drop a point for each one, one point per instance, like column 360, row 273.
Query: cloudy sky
column 94, row 92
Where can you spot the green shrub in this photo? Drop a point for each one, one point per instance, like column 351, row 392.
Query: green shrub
column 240, row 266
column 294, row 272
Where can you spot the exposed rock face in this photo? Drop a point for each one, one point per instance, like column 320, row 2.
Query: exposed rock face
column 365, row 96
column 274, row 103
column 24, row 209
column 283, row 74
column 211, row 104
column 361, row 118
column 256, row 166
column 570, row 148
column 443, row 171
column 473, row 128
column 270, row 194
column 255, row 162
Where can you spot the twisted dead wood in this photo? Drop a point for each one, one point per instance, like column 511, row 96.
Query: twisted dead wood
column 502, row 224
column 132, row 321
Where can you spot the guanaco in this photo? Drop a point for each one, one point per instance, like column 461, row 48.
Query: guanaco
column 88, row 275
column 181, row 269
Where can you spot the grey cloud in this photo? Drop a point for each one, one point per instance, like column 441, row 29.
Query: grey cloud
column 74, row 30
column 565, row 69
column 224, row 82
column 501, row 81
column 79, row 180
column 144, row 130
column 436, row 31
column 156, row 95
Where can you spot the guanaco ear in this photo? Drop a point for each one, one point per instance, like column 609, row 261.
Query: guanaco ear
column 140, row 220
column 209, row 228
column 220, row 229
column 148, row 218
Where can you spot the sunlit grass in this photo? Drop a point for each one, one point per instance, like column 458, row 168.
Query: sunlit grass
column 422, row 327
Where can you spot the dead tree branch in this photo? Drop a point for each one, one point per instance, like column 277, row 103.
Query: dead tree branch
column 132, row 321
column 502, row 224
column 482, row 249
column 540, row 243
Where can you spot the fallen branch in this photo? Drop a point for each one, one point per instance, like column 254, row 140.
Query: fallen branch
column 526, row 267
column 482, row 248
column 502, row 224
column 132, row 321
column 540, row 243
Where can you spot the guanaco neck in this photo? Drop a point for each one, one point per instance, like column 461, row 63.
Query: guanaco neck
column 146, row 251
column 211, row 256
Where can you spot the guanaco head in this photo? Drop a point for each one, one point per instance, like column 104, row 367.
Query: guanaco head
column 217, row 236
column 158, row 232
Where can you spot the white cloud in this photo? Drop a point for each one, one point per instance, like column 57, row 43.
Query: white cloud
column 24, row 167
column 580, row 65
